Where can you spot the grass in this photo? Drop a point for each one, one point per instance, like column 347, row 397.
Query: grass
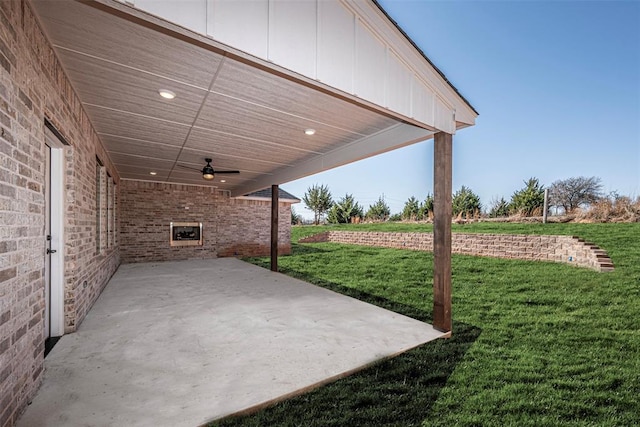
column 534, row 344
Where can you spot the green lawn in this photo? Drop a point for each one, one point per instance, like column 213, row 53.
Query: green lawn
column 534, row 344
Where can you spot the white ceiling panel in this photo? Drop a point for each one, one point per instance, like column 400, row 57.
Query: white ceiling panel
column 144, row 128
column 242, row 81
column 134, row 147
column 210, row 142
column 81, row 27
column 225, row 159
column 113, row 86
column 249, row 120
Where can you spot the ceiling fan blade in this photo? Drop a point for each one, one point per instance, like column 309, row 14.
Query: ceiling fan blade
column 227, row 171
column 189, row 167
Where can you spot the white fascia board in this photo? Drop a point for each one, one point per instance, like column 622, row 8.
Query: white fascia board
column 396, row 136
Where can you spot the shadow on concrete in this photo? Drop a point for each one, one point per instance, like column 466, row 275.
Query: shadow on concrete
column 393, row 392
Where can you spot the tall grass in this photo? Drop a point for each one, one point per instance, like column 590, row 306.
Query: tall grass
column 534, row 344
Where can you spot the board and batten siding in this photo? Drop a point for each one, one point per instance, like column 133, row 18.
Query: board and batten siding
column 348, row 45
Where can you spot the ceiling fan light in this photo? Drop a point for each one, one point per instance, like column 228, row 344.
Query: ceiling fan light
column 208, row 172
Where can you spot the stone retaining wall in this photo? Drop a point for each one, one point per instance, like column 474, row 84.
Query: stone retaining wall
column 565, row 249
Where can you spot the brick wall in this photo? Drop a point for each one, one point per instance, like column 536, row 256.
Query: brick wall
column 34, row 86
column 231, row 226
column 565, row 249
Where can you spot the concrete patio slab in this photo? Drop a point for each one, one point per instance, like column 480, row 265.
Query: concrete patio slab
column 183, row 343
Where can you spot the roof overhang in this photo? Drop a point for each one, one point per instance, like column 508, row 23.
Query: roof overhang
column 244, row 111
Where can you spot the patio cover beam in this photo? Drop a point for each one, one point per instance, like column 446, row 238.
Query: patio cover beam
column 274, row 227
column 442, row 209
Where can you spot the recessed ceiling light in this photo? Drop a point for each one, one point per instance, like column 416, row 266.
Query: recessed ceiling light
column 153, row 173
column 309, row 131
column 167, row 94
column 223, row 180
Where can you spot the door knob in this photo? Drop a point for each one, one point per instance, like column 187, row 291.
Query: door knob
column 51, row 251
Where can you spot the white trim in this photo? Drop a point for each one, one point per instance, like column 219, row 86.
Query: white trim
column 57, row 241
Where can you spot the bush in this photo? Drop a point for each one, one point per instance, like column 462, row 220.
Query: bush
column 296, row 218
column 466, row 203
column 379, row 211
column 426, row 208
column 344, row 211
column 499, row 208
column 613, row 208
column 529, row 201
column 411, row 210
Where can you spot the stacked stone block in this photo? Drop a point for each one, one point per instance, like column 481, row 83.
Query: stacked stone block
column 565, row 249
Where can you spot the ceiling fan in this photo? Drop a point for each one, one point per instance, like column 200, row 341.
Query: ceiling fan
column 208, row 172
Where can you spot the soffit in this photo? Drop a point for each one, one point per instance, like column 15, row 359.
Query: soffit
column 244, row 115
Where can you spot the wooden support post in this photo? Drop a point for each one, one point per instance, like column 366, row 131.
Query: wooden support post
column 442, row 187
column 274, row 227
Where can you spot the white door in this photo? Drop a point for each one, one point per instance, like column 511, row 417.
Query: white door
column 54, row 237
column 47, row 234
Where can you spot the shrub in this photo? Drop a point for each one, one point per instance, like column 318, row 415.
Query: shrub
column 466, row 203
column 426, row 208
column 344, row 211
column 613, row 208
column 499, row 208
column 528, row 201
column 411, row 210
column 296, row 218
column 379, row 211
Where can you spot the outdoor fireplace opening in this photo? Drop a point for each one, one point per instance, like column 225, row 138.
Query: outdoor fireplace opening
column 186, row 234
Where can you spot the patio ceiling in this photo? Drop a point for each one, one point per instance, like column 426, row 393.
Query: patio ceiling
column 245, row 113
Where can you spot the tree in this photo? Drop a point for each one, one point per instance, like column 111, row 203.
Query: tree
column 426, row 208
column 499, row 208
column 571, row 193
column 379, row 211
column 411, row 210
column 465, row 202
column 344, row 210
column 529, row 200
column 318, row 199
column 296, row 218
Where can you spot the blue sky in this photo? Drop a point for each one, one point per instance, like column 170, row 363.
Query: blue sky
column 557, row 86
